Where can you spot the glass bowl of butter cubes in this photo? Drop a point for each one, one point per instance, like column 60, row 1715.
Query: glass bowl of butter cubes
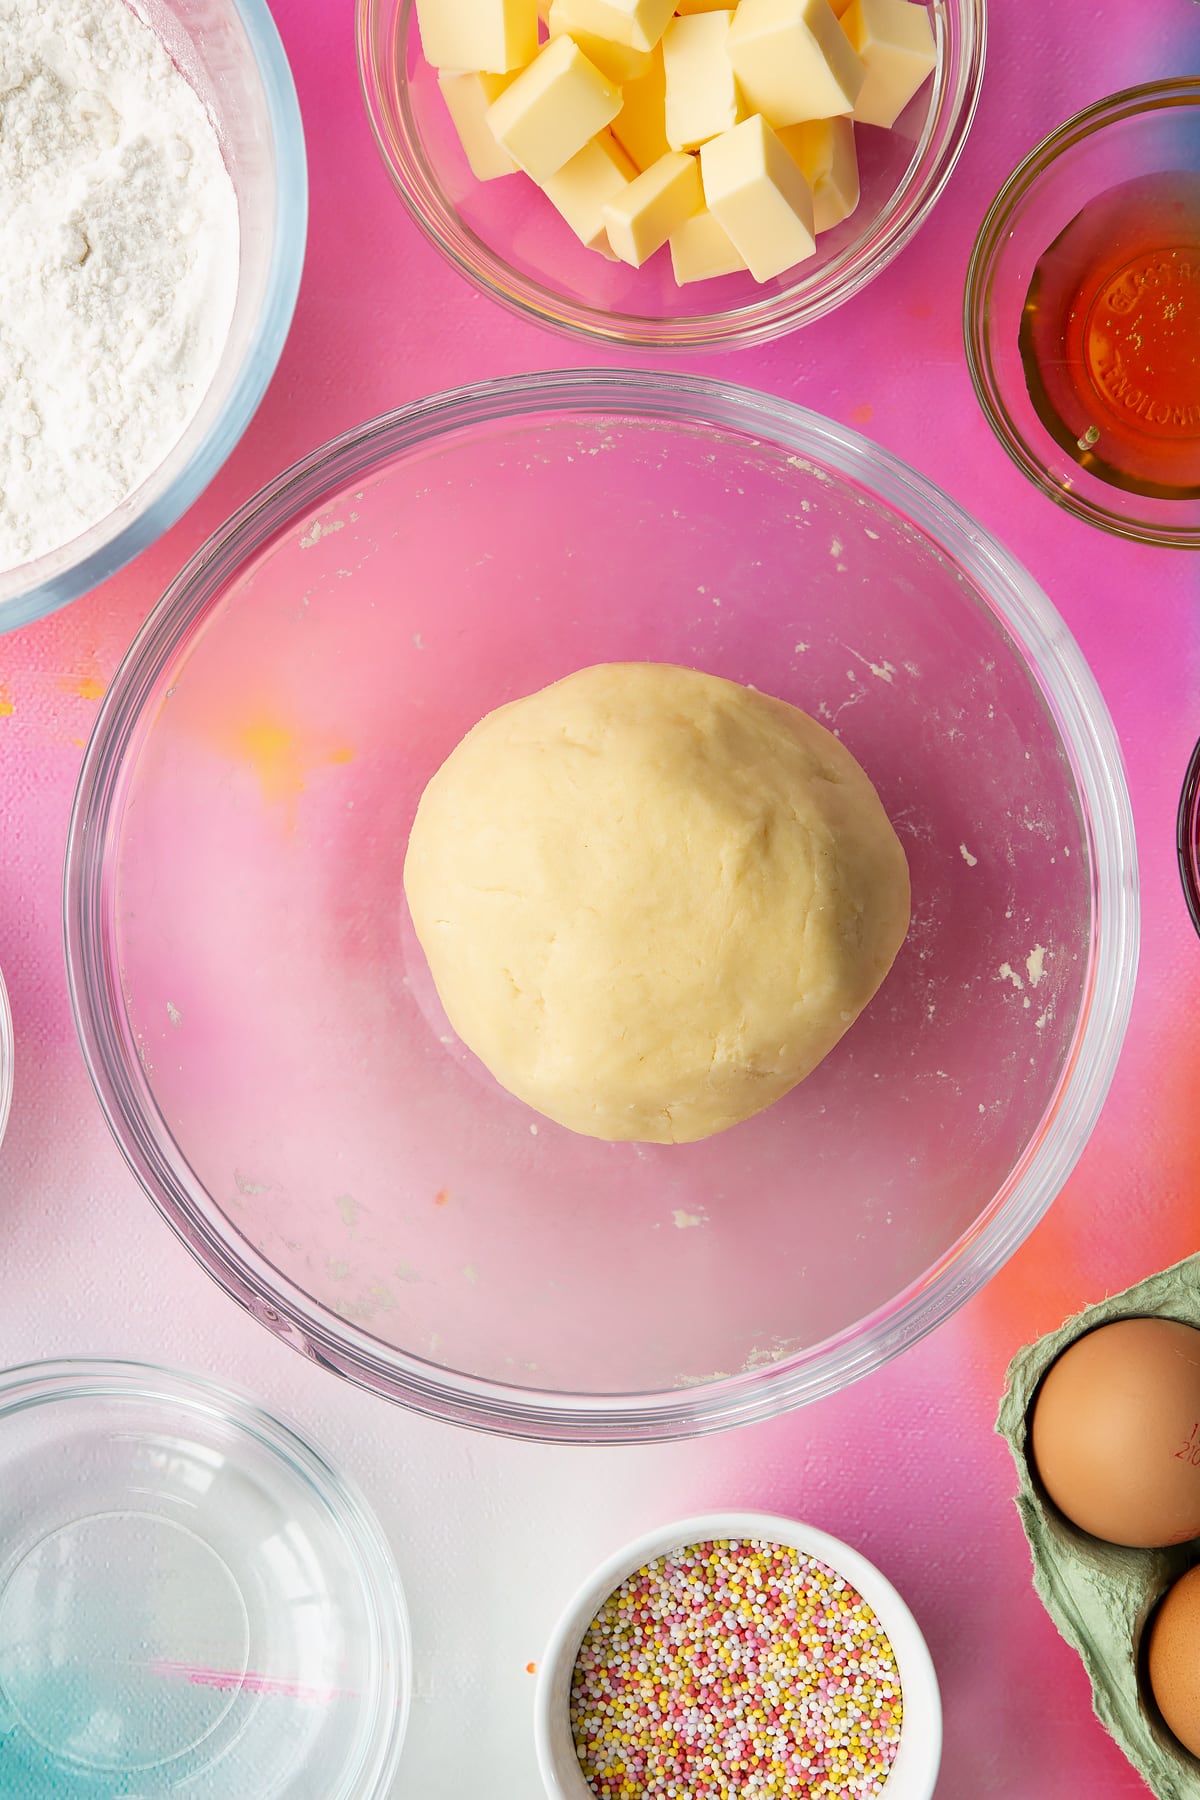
column 670, row 174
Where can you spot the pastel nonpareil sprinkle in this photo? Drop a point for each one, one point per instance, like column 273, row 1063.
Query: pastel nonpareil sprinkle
column 735, row 1669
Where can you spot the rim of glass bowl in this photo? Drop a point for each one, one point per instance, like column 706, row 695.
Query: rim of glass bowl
column 24, row 594
column 7, row 1058
column 1187, row 836
column 381, row 1737
column 960, row 29
column 993, row 234
column 1081, row 717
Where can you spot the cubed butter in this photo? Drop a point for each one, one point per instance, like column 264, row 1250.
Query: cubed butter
column 702, row 248
column 580, row 189
column 825, row 153
column 760, row 197
column 685, row 9
column 552, row 108
column 894, row 40
column 494, row 35
column 640, row 126
column 637, row 23
column 702, row 97
column 467, row 99
column 641, row 218
column 793, row 60
column 618, row 62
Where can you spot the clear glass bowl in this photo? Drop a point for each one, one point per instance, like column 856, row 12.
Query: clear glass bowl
column 191, row 1600
column 259, row 1020
column 231, row 53
column 1142, row 131
column 507, row 239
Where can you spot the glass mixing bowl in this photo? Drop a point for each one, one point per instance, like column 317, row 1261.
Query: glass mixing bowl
column 506, row 238
column 260, row 1023
column 230, row 52
column 192, row 1602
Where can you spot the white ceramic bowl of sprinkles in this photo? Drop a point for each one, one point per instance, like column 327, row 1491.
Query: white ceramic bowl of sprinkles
column 734, row 1655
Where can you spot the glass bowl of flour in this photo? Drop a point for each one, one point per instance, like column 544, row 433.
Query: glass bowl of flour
column 153, row 211
column 261, row 1024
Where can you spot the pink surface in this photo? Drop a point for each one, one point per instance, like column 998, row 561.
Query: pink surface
column 491, row 1537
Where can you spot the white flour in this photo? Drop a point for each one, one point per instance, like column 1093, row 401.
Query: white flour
column 118, row 264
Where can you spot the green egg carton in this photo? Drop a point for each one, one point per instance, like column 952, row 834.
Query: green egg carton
column 1100, row 1595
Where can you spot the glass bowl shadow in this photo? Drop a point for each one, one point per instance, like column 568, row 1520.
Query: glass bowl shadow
column 259, row 1021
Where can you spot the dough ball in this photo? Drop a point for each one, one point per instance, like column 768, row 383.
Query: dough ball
column 653, row 900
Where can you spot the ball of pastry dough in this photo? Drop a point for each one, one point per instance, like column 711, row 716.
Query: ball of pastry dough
column 652, row 900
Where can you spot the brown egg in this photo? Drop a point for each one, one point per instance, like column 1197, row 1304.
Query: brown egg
column 1115, row 1435
column 1173, row 1659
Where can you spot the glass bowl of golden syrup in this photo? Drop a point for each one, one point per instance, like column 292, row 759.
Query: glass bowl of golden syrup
column 1082, row 314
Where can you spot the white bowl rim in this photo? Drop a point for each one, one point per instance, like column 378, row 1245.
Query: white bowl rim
column 915, row 1769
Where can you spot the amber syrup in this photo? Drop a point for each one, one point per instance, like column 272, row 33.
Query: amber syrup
column 1110, row 336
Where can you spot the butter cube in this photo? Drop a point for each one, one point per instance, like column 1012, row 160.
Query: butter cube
column 759, row 196
column 793, row 61
column 824, row 152
column 701, row 248
column 686, row 9
column 656, row 203
column 640, row 126
column 637, row 23
column 467, row 99
column 580, row 189
column 702, row 95
column 894, row 39
column 493, row 35
column 618, row 62
column 552, row 108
